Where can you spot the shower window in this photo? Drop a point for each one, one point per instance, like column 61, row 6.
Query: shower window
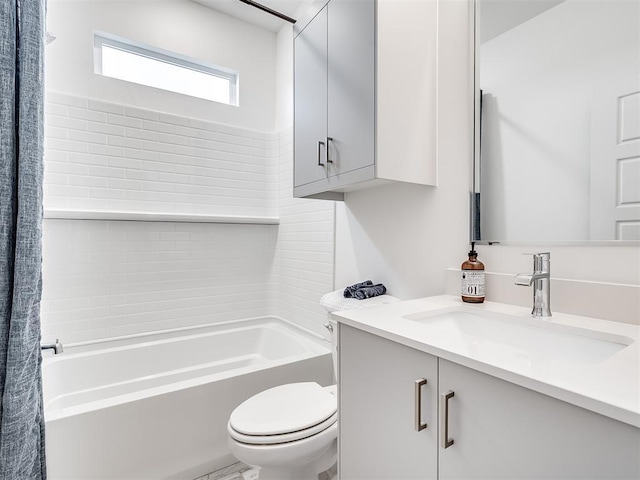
column 133, row 62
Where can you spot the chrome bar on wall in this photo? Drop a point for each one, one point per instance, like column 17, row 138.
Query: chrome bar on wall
column 269, row 11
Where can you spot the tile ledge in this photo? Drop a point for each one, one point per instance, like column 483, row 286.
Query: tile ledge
column 158, row 217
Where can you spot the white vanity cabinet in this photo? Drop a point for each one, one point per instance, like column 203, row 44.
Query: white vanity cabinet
column 365, row 94
column 499, row 430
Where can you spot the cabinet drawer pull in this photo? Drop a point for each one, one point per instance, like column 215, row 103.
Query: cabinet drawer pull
column 329, row 140
column 444, row 419
column 320, row 144
column 418, row 384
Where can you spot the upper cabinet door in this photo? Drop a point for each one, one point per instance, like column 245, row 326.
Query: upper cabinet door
column 351, row 85
column 310, row 107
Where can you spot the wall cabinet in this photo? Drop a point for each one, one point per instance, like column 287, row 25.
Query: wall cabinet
column 365, row 96
column 499, row 430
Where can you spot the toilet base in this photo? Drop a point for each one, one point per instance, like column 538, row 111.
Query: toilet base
column 308, row 472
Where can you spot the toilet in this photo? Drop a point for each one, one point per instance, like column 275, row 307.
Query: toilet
column 289, row 431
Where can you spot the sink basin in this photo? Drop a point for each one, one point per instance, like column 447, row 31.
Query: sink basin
column 529, row 340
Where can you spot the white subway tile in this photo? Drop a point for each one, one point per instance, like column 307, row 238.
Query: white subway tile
column 88, row 181
column 66, row 145
column 87, row 137
column 173, row 119
column 55, row 132
column 106, row 128
column 129, row 164
column 141, row 134
column 63, row 99
column 124, row 121
column 65, row 122
column 142, row 175
column 123, row 184
column 106, row 107
column 107, row 172
column 55, row 109
column 106, row 150
column 51, row 178
column 85, row 114
column 141, row 113
column 158, row 127
column 125, row 142
column 87, row 159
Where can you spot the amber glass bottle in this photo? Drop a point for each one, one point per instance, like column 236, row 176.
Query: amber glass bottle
column 472, row 285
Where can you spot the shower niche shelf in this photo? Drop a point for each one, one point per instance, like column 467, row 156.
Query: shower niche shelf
column 158, row 217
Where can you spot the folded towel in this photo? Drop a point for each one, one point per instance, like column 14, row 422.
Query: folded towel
column 368, row 292
column 335, row 301
column 350, row 291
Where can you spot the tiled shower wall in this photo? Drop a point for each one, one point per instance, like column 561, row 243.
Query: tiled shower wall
column 109, row 278
column 105, row 156
column 303, row 260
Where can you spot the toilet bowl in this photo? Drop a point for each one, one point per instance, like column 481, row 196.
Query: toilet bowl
column 289, row 431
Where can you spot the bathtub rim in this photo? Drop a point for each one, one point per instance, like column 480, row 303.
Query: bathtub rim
column 122, row 340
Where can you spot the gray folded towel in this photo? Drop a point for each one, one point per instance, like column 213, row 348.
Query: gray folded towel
column 350, row 291
column 370, row 291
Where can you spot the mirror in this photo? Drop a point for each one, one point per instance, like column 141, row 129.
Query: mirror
column 557, row 121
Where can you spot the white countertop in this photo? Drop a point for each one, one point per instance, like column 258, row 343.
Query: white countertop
column 608, row 384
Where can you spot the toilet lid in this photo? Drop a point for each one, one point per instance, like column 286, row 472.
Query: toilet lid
column 284, row 409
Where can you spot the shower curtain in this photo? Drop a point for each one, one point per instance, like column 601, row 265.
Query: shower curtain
column 21, row 171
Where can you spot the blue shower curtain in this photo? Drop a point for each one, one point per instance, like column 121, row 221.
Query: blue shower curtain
column 21, row 171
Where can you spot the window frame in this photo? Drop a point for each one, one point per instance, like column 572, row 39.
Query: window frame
column 101, row 39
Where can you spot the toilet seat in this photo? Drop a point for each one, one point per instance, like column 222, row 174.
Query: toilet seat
column 283, row 414
column 283, row 437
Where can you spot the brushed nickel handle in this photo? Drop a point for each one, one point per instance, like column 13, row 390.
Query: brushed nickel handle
column 418, row 384
column 446, row 442
column 329, row 139
column 320, row 164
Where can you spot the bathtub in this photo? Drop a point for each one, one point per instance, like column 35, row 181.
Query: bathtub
column 156, row 405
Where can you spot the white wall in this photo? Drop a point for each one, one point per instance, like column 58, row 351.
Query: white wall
column 179, row 26
column 539, row 80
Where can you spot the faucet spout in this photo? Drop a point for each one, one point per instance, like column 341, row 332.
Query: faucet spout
column 540, row 279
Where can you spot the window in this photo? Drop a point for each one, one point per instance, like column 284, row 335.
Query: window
column 134, row 62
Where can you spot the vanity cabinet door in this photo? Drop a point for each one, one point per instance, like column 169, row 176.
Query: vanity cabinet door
column 504, row 431
column 310, row 104
column 378, row 439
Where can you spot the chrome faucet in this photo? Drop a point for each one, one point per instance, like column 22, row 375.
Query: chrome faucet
column 540, row 279
column 56, row 347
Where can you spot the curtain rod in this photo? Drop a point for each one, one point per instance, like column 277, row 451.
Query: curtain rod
column 269, row 11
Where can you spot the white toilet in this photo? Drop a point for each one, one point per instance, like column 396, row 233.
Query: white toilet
column 289, row 431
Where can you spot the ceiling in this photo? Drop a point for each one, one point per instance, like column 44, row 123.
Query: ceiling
column 499, row 16
column 242, row 11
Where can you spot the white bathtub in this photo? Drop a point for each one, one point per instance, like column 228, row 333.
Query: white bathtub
column 156, row 406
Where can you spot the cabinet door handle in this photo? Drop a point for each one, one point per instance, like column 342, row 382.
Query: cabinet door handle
column 418, row 384
column 320, row 164
column 329, row 140
column 446, row 442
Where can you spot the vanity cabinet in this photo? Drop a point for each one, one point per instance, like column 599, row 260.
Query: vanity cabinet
column 365, row 95
column 499, row 430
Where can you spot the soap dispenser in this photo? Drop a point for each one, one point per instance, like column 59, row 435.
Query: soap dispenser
column 472, row 276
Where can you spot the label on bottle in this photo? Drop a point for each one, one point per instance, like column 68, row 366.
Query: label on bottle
column 472, row 283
